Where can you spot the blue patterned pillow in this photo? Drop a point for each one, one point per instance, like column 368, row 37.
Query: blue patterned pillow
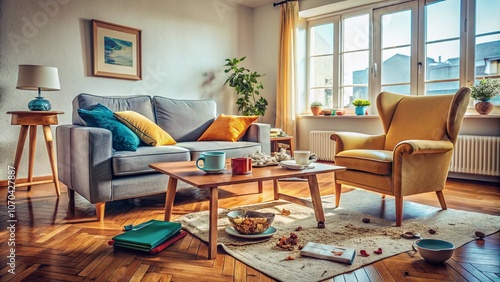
column 100, row 116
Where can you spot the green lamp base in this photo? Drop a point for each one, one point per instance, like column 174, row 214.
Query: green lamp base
column 39, row 104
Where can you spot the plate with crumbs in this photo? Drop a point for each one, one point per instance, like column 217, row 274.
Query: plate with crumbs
column 268, row 233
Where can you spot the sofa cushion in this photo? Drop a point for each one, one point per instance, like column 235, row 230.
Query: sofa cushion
column 232, row 149
column 131, row 163
column 148, row 131
column 227, row 128
column 102, row 117
column 140, row 103
column 184, row 120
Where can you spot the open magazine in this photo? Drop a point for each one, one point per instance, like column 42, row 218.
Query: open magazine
column 328, row 252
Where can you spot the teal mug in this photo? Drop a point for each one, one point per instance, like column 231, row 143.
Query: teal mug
column 212, row 161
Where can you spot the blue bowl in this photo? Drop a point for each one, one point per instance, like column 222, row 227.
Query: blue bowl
column 434, row 250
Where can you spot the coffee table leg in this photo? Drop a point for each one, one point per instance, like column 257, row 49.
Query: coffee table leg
column 316, row 200
column 276, row 187
column 212, row 225
column 169, row 199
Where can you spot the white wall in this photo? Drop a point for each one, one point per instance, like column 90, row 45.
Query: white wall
column 184, row 46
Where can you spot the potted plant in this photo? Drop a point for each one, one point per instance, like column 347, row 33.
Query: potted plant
column 247, row 87
column 316, row 108
column 483, row 92
column 361, row 105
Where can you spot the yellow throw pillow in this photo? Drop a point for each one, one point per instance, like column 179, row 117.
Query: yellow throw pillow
column 148, row 131
column 227, row 128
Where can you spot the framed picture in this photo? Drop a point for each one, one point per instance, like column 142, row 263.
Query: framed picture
column 116, row 50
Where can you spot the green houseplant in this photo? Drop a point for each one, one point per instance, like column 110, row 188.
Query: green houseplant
column 316, row 108
column 361, row 105
column 247, row 87
column 483, row 92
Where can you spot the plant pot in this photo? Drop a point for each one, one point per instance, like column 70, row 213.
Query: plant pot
column 316, row 111
column 360, row 110
column 484, row 107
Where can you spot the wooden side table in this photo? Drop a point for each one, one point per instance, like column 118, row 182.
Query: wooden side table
column 278, row 142
column 30, row 120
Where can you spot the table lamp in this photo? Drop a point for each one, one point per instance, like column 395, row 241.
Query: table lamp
column 32, row 77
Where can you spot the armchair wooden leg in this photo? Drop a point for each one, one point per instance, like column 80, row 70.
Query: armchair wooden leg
column 399, row 210
column 441, row 199
column 338, row 192
column 99, row 210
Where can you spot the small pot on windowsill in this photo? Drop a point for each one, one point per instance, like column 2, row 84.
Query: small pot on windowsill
column 316, row 110
column 484, row 107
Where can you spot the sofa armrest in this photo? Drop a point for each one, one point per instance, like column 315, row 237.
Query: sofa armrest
column 85, row 161
column 260, row 133
column 353, row 140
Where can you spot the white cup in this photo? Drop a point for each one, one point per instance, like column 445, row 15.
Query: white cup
column 304, row 157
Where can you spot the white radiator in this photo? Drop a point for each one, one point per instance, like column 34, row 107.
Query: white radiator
column 476, row 154
column 321, row 144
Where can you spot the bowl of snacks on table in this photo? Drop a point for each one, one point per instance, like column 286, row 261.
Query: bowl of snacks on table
column 250, row 222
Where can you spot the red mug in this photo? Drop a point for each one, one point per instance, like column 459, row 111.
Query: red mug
column 241, row 165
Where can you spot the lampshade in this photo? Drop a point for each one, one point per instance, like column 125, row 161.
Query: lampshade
column 33, row 77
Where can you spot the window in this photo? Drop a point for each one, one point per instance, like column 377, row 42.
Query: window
column 321, row 63
column 442, row 47
column 487, row 42
column 421, row 47
column 354, row 58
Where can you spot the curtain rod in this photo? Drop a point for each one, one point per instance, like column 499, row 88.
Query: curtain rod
column 282, row 2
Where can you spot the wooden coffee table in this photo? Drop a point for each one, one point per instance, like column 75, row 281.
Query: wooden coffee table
column 189, row 173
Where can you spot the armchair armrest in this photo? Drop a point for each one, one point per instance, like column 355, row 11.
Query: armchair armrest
column 353, row 140
column 84, row 161
column 423, row 147
column 260, row 133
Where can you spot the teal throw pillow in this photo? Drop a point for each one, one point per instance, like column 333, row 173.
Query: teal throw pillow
column 100, row 116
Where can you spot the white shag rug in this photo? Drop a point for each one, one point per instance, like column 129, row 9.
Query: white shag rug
column 344, row 227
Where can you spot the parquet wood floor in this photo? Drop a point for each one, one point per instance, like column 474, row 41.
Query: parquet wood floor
column 53, row 242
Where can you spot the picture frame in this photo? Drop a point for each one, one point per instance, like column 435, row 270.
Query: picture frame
column 116, row 50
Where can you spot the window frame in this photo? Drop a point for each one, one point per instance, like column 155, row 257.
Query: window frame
column 467, row 68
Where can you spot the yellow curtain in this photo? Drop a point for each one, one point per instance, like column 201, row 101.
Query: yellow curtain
column 286, row 87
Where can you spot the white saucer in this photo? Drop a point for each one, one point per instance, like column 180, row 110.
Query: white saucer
column 293, row 165
column 214, row 171
column 268, row 233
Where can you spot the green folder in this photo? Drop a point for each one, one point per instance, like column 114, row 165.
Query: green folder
column 149, row 234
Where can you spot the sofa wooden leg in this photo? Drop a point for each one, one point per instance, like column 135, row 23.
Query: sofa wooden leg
column 71, row 194
column 338, row 192
column 99, row 210
column 441, row 199
column 71, row 197
column 399, row 210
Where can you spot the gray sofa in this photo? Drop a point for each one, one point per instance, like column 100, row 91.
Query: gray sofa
column 89, row 165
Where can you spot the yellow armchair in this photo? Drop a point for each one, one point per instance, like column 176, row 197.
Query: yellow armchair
column 412, row 156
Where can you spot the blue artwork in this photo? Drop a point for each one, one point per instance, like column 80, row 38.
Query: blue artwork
column 118, row 52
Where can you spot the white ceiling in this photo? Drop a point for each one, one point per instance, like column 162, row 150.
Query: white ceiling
column 255, row 3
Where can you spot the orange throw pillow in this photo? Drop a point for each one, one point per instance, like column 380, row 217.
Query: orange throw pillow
column 227, row 128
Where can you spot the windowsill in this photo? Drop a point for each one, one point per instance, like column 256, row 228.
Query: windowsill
column 374, row 116
column 467, row 116
column 339, row 117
